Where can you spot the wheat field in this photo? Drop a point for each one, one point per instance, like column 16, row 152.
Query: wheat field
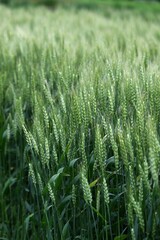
column 79, row 124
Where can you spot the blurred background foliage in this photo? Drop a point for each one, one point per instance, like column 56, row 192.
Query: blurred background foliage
column 53, row 2
column 141, row 6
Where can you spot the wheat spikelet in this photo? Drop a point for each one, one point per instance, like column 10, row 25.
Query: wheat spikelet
column 46, row 118
column 47, row 152
column 105, row 192
column 63, row 103
column 111, row 103
column 153, row 166
column 132, row 179
column 74, row 195
column 55, row 155
column 133, row 234
column 86, row 188
column 40, row 182
column 144, row 175
column 51, row 193
column 33, row 143
column 130, row 214
column 138, row 211
column 32, row 174
column 55, row 131
column 27, row 135
column 98, row 200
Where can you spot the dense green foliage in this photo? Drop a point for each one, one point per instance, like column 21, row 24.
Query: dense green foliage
column 119, row 3
column 79, row 125
column 21, row 2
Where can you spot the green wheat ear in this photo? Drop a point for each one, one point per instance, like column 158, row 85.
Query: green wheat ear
column 105, row 192
column 32, row 174
column 86, row 188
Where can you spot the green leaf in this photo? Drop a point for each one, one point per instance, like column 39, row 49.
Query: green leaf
column 8, row 183
column 55, row 176
column 60, row 170
column 65, row 231
column 26, row 222
column 92, row 184
column 121, row 237
column 110, row 160
column 66, row 199
column 28, row 206
column 73, row 162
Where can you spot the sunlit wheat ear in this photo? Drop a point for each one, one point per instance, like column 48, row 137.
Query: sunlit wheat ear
column 47, row 93
column 138, row 210
column 132, row 179
column 55, row 131
column 51, row 193
column 55, row 157
column 40, row 182
column 133, row 234
column 34, row 144
column 86, row 188
column 105, row 192
column 106, row 128
column 46, row 119
column 130, row 214
column 111, row 103
column 32, row 174
column 27, row 136
column 144, row 175
column 47, row 152
column 153, row 166
column 63, row 105
column 42, row 155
